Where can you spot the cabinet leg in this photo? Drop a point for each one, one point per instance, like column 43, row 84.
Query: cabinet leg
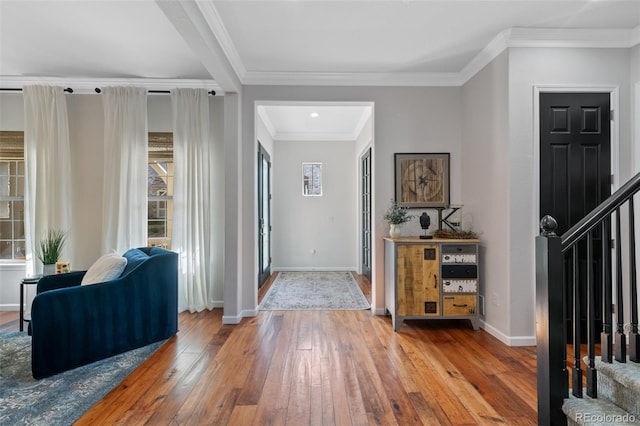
column 475, row 322
column 397, row 323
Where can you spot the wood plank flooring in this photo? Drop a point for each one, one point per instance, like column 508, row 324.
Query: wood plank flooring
column 323, row 368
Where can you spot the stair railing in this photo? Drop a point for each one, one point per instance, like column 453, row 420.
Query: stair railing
column 551, row 332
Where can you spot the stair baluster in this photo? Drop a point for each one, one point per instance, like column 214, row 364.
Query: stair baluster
column 634, row 340
column 606, row 339
column 621, row 341
column 576, row 378
column 592, row 381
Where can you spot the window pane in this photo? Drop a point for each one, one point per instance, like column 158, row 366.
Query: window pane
column 5, row 230
column 6, row 250
column 18, row 210
column 19, row 253
column 18, row 230
column 157, row 228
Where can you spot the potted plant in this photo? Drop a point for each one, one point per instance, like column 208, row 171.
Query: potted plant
column 396, row 216
column 50, row 250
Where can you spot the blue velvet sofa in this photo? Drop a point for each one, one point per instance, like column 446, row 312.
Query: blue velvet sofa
column 74, row 325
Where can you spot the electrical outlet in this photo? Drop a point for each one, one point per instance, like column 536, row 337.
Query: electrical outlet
column 494, row 299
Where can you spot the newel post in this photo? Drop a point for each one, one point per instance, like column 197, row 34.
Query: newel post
column 553, row 385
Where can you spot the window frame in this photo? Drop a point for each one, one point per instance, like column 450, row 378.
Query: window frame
column 12, row 151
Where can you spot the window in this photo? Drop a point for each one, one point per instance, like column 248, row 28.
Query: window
column 12, row 240
column 160, row 189
column 312, row 179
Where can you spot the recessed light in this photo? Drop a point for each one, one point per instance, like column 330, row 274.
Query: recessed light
column 314, row 115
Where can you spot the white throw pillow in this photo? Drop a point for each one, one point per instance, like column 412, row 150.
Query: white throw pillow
column 106, row 268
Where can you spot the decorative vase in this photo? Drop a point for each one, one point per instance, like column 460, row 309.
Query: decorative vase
column 394, row 230
column 49, row 269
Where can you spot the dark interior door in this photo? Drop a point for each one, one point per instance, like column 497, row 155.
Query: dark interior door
column 365, row 168
column 575, row 174
column 264, row 216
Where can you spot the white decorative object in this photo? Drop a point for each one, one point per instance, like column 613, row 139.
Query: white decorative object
column 394, row 230
column 106, row 268
column 49, row 269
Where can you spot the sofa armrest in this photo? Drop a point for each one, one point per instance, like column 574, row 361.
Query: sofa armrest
column 54, row 282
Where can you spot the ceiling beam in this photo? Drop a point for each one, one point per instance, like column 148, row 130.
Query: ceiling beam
column 189, row 20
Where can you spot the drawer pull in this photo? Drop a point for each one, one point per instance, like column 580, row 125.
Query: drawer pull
column 460, row 306
column 435, row 280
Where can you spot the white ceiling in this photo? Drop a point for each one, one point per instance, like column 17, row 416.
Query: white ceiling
column 319, row 122
column 229, row 43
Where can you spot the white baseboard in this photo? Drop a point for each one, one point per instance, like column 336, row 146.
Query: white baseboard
column 508, row 340
column 226, row 319
column 10, row 307
column 313, row 268
column 379, row 311
column 235, row 319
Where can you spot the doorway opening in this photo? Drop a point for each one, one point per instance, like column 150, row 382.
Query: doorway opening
column 322, row 230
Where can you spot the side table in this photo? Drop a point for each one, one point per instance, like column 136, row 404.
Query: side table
column 25, row 282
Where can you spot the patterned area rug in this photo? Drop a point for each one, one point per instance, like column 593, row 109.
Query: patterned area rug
column 59, row 399
column 299, row 291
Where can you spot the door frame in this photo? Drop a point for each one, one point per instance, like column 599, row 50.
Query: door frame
column 367, row 150
column 263, row 153
column 615, row 141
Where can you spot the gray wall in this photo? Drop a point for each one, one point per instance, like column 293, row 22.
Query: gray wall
column 485, row 188
column 591, row 69
column 315, row 233
column 406, row 119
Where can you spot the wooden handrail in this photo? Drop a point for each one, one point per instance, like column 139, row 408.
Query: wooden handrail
column 604, row 209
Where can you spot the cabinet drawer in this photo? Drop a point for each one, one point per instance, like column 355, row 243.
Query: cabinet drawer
column 459, row 305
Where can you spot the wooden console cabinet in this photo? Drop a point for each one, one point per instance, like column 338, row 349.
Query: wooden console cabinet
column 431, row 279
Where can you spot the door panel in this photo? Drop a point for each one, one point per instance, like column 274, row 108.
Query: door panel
column 418, row 282
column 575, row 170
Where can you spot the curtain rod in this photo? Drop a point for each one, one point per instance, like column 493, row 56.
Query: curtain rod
column 211, row 92
column 19, row 89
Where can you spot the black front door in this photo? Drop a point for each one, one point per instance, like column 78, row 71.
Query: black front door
column 264, row 216
column 575, row 173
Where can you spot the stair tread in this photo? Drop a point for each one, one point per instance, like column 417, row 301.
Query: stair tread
column 590, row 411
column 627, row 374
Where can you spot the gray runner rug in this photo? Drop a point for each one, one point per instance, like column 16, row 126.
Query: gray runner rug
column 300, row 291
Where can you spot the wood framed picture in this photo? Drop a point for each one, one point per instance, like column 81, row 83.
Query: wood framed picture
column 422, row 180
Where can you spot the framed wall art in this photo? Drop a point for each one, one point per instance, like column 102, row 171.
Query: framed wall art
column 312, row 179
column 422, row 180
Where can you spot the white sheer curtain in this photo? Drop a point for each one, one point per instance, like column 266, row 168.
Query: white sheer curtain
column 192, row 216
column 47, row 168
column 124, row 221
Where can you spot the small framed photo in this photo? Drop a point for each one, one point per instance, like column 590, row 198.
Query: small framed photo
column 312, row 179
column 422, row 180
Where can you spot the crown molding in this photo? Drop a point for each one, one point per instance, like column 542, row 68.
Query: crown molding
column 88, row 85
column 511, row 37
column 573, row 38
column 262, row 113
column 351, row 79
column 366, row 113
column 495, row 47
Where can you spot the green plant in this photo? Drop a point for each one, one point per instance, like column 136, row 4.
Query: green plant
column 50, row 247
column 396, row 214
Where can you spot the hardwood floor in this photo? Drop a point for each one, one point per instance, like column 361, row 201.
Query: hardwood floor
column 324, row 368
